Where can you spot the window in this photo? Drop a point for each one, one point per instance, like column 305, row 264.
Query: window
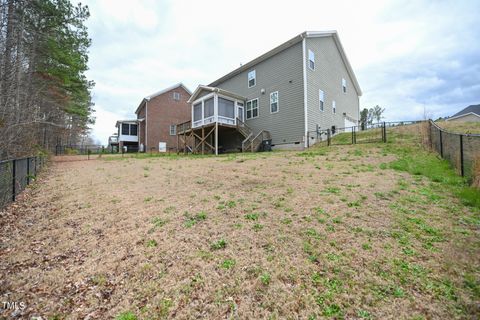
column 197, row 112
column 208, row 108
column 252, row 109
column 252, row 78
column 226, row 108
column 133, row 129
column 334, row 107
column 311, row 59
column 274, row 102
column 344, row 85
column 176, row 96
column 173, row 129
column 125, row 129
column 321, row 97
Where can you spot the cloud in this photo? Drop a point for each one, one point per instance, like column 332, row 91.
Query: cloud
column 408, row 56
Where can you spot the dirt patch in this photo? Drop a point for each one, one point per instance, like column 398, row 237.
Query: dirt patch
column 246, row 236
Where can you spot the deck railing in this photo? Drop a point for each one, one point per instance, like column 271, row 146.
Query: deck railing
column 184, row 126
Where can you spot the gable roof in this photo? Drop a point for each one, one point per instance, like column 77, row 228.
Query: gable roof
column 156, row 94
column 474, row 108
column 201, row 88
column 288, row 44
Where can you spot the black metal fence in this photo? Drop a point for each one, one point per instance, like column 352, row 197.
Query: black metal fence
column 15, row 175
column 368, row 133
column 461, row 150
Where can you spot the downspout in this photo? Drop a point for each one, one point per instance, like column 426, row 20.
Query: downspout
column 305, row 100
column 146, row 124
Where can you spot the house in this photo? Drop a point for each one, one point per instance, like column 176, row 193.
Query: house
column 469, row 114
column 157, row 116
column 113, row 142
column 127, row 135
column 297, row 88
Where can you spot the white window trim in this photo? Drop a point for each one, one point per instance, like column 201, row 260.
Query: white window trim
column 175, row 94
column 258, row 109
column 254, row 78
column 278, row 104
column 334, row 107
column 321, row 98
column 313, row 54
column 344, row 84
column 174, row 130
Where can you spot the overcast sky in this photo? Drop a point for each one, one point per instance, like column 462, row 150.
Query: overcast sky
column 408, row 56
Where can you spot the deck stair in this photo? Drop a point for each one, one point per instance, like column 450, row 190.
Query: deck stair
column 251, row 142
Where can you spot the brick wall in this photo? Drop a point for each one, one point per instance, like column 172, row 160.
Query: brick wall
column 162, row 111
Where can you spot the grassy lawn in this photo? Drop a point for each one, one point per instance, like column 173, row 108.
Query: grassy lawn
column 371, row 231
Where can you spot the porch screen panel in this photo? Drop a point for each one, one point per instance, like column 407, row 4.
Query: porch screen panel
column 226, row 108
column 125, row 129
column 208, row 108
column 133, row 129
column 197, row 112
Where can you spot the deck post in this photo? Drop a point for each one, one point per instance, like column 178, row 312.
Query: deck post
column 216, row 138
column 203, row 142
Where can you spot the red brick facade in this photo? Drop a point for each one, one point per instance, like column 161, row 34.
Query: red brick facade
column 159, row 113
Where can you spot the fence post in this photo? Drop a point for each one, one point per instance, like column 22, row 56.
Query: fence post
column 384, row 132
column 441, row 144
column 28, row 171
column 14, row 164
column 430, row 134
column 308, row 139
column 328, row 137
column 461, row 156
column 88, row 154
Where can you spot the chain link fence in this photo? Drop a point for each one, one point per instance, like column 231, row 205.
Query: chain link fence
column 461, row 150
column 15, row 175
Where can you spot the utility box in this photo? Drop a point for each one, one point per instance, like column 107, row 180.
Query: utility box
column 162, row 147
column 266, row 145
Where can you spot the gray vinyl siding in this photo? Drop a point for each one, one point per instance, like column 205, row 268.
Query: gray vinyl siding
column 282, row 73
column 327, row 76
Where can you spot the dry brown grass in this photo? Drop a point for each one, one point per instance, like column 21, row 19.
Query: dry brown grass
column 317, row 235
column 460, row 127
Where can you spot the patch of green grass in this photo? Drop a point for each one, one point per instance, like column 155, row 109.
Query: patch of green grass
column 217, row 245
column 363, row 314
column 158, row 222
column 257, row 227
column 333, row 190
column 286, row 221
column 265, row 278
column 228, row 264
column 366, row 246
column 252, row 216
column 151, row 243
column 192, row 220
column 332, row 310
column 231, row 204
column 127, row 315
column 419, row 162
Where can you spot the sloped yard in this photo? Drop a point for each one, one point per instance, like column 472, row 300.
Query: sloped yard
column 328, row 233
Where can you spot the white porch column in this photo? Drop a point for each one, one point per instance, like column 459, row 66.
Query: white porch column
column 215, row 107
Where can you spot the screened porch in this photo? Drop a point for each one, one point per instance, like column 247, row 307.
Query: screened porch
column 218, row 106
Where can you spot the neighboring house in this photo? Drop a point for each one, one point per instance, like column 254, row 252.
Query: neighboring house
column 113, row 142
column 469, row 114
column 158, row 115
column 302, row 85
column 127, row 135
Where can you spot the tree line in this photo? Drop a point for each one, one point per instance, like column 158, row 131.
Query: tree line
column 371, row 115
column 45, row 97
